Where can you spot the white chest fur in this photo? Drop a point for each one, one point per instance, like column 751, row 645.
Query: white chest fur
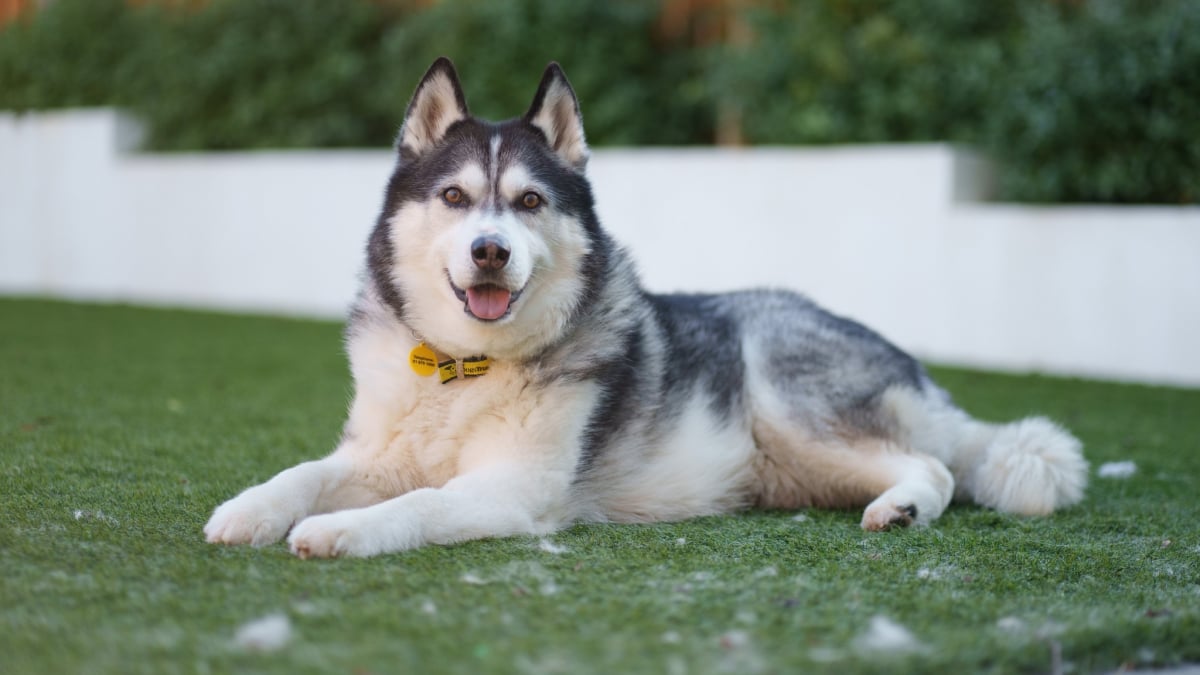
column 414, row 431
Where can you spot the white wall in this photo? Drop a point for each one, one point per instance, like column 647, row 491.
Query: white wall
column 891, row 235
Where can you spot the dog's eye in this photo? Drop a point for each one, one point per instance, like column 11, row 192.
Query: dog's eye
column 531, row 200
column 453, row 196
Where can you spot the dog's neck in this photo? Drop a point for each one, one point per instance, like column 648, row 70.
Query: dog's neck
column 426, row 360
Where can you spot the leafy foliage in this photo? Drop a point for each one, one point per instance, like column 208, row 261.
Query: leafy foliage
column 635, row 86
column 1087, row 100
column 1103, row 104
column 268, row 73
column 308, row 73
column 72, row 54
column 869, row 70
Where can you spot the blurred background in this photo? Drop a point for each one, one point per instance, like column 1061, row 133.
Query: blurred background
column 1002, row 183
column 1078, row 100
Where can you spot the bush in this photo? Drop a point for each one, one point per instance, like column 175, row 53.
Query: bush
column 1086, row 100
column 1103, row 104
column 74, row 53
column 312, row 73
column 635, row 87
column 267, row 73
column 263, row 74
column 847, row 71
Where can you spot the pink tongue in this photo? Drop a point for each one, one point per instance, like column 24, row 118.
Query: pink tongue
column 488, row 302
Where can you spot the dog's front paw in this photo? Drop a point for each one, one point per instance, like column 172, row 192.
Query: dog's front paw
column 329, row 536
column 357, row 533
column 252, row 517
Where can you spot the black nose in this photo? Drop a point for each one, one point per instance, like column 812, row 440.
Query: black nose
column 490, row 252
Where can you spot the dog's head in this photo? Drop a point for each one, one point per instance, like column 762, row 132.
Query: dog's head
column 488, row 231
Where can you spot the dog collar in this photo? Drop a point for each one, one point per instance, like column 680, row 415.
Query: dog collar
column 425, row 361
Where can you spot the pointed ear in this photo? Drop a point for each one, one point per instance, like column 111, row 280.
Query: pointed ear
column 437, row 103
column 555, row 111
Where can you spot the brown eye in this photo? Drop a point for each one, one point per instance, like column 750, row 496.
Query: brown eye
column 453, row 196
column 531, row 200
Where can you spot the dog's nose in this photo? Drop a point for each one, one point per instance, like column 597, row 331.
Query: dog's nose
column 490, row 252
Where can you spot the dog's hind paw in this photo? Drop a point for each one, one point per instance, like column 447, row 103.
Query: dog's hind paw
column 884, row 516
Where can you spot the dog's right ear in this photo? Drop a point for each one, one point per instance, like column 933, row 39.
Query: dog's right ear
column 438, row 103
column 555, row 112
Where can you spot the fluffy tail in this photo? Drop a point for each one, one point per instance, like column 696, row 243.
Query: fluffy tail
column 1030, row 467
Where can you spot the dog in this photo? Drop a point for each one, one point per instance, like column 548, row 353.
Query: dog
column 513, row 377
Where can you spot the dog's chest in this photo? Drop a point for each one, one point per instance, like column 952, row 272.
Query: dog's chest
column 433, row 429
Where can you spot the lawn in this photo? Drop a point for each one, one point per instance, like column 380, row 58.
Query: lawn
column 121, row 428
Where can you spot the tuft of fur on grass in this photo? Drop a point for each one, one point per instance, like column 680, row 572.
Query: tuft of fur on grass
column 547, row 546
column 1010, row 624
column 266, row 634
column 885, row 636
column 1117, row 469
column 98, row 516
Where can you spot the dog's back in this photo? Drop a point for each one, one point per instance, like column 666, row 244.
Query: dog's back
column 764, row 398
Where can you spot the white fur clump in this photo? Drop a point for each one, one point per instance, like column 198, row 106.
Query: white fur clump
column 887, row 636
column 1030, row 468
column 267, row 634
column 768, row 571
column 547, row 546
column 1117, row 469
column 1010, row 624
column 98, row 516
column 938, row 572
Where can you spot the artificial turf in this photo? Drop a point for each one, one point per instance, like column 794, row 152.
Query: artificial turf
column 121, row 428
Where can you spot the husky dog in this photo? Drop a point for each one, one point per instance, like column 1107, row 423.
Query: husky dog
column 513, row 377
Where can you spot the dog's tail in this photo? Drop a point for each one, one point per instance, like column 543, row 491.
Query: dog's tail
column 1028, row 467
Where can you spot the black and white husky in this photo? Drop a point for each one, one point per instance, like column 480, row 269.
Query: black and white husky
column 513, row 377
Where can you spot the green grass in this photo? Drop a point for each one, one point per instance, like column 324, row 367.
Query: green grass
column 121, row 429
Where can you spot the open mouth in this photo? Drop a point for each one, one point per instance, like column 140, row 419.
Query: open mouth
column 486, row 302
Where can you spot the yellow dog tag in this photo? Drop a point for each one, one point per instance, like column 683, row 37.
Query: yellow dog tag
column 422, row 360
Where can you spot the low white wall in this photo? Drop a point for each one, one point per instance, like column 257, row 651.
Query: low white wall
column 891, row 235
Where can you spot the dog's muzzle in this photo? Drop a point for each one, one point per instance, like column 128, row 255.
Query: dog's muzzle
column 485, row 301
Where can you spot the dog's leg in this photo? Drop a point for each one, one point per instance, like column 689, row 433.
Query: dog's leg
column 493, row 501
column 516, row 466
column 899, row 486
column 921, row 490
column 264, row 513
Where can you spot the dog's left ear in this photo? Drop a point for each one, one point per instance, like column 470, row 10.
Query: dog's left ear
column 555, row 112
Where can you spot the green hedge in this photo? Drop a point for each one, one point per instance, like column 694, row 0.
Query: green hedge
column 1103, row 105
column 315, row 73
column 839, row 71
column 1089, row 100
